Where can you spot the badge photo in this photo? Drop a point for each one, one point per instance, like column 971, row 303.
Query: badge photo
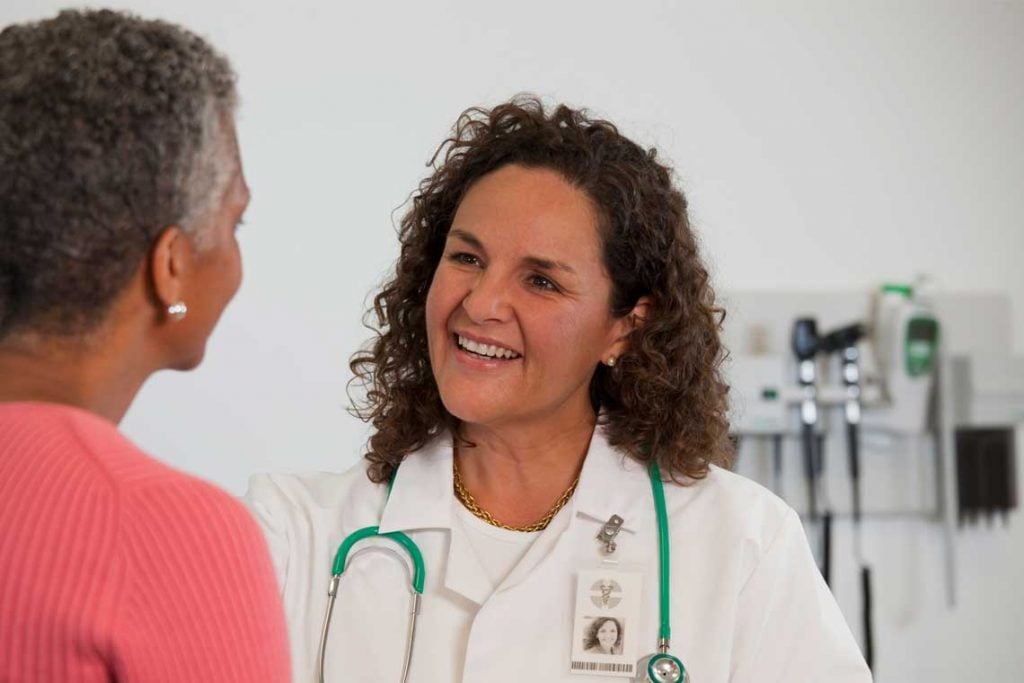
column 607, row 611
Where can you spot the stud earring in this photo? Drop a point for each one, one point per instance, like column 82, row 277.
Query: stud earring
column 177, row 311
column 610, row 362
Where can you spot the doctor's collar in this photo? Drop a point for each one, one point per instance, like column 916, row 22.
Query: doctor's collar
column 611, row 482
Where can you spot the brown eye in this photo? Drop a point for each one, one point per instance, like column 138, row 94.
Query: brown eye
column 541, row 282
column 464, row 258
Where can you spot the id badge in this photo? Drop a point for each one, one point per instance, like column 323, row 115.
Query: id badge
column 606, row 623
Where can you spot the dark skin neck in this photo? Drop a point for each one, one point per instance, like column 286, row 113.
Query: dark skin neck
column 100, row 372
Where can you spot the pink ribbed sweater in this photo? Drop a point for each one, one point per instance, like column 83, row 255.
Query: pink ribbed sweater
column 114, row 567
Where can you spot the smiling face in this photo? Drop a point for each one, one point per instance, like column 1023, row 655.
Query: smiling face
column 518, row 313
column 608, row 635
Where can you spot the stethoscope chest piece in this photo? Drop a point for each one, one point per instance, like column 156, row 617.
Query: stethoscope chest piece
column 662, row 668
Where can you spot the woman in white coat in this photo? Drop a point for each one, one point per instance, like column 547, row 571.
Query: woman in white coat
column 549, row 333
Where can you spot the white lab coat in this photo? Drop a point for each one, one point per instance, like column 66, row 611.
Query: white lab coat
column 748, row 602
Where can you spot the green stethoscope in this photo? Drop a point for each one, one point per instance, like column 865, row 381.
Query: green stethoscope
column 660, row 667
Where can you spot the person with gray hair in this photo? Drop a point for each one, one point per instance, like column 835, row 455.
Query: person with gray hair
column 121, row 189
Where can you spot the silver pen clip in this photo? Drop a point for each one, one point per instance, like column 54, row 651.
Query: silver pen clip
column 608, row 532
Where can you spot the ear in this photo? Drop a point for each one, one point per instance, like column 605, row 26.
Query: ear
column 170, row 259
column 624, row 326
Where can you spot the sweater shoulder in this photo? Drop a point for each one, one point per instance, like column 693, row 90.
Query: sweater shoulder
column 52, row 434
column 80, row 448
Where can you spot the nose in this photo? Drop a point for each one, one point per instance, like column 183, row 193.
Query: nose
column 489, row 299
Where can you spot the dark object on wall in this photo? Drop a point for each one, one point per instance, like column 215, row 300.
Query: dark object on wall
column 843, row 341
column 986, row 468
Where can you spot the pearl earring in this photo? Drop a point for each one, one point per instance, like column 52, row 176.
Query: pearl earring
column 610, row 362
column 177, row 311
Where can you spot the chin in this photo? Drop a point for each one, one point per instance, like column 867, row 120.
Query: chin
column 473, row 409
column 188, row 361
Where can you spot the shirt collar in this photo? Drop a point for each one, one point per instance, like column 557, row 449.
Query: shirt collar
column 421, row 497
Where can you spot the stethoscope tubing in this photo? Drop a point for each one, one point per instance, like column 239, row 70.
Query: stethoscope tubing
column 661, row 511
column 338, row 569
column 322, row 652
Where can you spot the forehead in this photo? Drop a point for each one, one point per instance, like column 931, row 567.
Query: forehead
column 533, row 209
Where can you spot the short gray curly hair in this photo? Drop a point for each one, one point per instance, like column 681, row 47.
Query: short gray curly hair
column 111, row 129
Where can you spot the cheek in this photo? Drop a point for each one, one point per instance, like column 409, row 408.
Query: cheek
column 439, row 307
column 235, row 267
column 229, row 267
column 444, row 296
column 574, row 338
column 433, row 309
column 223, row 272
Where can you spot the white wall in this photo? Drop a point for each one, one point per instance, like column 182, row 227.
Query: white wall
column 823, row 145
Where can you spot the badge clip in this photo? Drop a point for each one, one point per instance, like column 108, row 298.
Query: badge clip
column 608, row 533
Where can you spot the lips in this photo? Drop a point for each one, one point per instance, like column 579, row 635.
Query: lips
column 486, row 350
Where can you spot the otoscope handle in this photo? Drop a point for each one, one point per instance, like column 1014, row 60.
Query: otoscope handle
column 826, row 550
column 810, row 443
column 853, row 446
column 869, row 641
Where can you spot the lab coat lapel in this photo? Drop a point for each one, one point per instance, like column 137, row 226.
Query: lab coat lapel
column 422, row 498
column 422, row 493
column 610, row 483
column 465, row 575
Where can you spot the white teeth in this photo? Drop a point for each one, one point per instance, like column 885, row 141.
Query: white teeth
column 489, row 350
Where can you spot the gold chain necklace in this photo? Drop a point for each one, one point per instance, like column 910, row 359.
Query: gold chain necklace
column 468, row 502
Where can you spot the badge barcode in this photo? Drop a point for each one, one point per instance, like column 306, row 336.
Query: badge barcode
column 578, row 665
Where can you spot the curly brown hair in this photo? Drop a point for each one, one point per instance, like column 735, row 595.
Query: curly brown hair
column 665, row 398
column 110, row 131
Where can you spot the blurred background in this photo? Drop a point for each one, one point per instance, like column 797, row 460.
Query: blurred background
column 825, row 147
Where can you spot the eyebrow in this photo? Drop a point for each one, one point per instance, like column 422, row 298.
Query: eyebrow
column 467, row 237
column 534, row 261
column 547, row 264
